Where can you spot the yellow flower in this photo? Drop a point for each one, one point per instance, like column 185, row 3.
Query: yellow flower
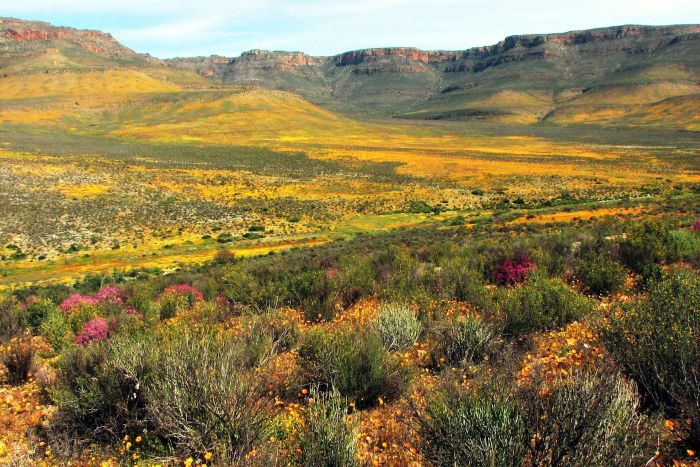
column 188, row 462
column 670, row 424
column 126, row 437
column 138, row 439
column 208, row 456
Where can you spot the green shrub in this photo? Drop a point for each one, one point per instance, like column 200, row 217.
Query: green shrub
column 460, row 280
column 601, row 276
column 656, row 340
column 176, row 299
column 99, row 392
column 647, row 246
column 354, row 280
column 265, row 335
column 479, row 426
column 354, row 363
column 37, row 311
column 202, row 398
column 313, row 291
column 328, row 438
column 81, row 315
column 224, row 237
column 140, row 297
column 539, row 305
column 462, row 340
column 56, row 330
column 586, row 419
column 686, row 244
column 398, row 326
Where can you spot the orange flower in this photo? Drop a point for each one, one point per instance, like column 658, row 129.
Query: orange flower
column 670, row 424
column 691, row 453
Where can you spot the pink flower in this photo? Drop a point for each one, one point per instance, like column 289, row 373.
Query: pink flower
column 696, row 226
column 512, row 271
column 184, row 289
column 95, row 330
column 76, row 301
column 111, row 295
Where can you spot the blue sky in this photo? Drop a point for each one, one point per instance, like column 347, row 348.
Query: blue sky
column 168, row 28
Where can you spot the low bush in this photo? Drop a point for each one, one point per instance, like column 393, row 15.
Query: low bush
column 328, row 437
column 18, row 359
column 224, row 257
column 37, row 310
column 601, row 276
column 460, row 280
column 265, row 335
column 539, row 305
column 56, row 330
column 13, row 319
column 356, row 364
column 588, row 418
column 353, row 279
column 463, row 339
column 512, row 271
column 477, row 426
column 95, row 330
column 203, row 399
column 398, row 326
column 99, row 393
column 178, row 298
column 647, row 246
column 656, row 340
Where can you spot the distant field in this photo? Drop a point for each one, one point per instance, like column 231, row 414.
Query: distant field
column 104, row 170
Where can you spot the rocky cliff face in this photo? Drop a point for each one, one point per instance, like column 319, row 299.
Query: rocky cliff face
column 623, row 39
column 399, row 78
column 18, row 35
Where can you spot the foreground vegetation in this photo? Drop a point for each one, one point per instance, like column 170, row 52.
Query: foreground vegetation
column 563, row 346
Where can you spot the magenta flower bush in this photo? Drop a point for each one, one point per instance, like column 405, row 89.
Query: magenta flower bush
column 513, row 271
column 184, row 289
column 76, row 301
column 111, row 295
column 107, row 297
column 95, row 330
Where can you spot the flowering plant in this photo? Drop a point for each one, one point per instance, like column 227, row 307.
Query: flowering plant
column 76, row 301
column 184, row 289
column 95, row 330
column 512, row 271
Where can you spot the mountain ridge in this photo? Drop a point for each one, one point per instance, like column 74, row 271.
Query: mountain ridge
column 521, row 79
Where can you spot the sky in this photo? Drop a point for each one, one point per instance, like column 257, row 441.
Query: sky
column 170, row 28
